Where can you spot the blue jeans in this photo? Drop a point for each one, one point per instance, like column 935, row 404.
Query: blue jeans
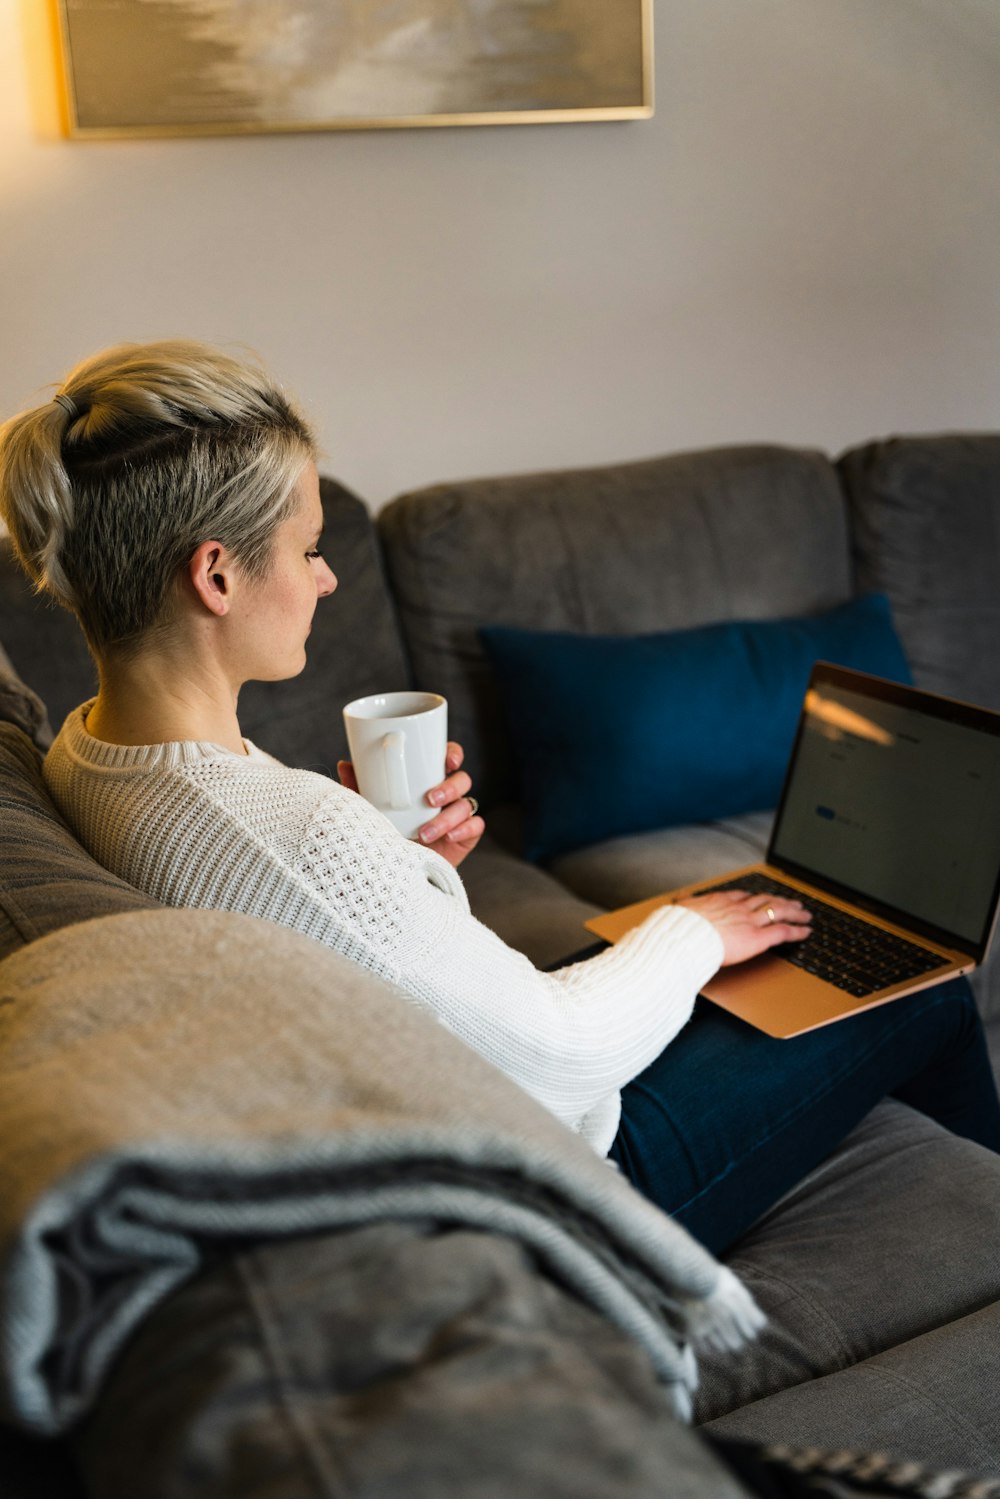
column 726, row 1120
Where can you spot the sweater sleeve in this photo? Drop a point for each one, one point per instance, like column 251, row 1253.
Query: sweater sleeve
column 574, row 1037
column 569, row 1038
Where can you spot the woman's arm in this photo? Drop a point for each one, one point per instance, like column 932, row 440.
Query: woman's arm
column 569, row 1038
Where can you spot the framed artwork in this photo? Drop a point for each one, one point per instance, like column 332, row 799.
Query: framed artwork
column 196, row 67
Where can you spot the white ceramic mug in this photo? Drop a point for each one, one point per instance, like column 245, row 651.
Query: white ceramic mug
column 398, row 742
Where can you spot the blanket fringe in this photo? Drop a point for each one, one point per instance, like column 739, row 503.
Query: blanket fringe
column 727, row 1318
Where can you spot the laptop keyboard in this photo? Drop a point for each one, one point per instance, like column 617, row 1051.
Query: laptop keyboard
column 845, row 951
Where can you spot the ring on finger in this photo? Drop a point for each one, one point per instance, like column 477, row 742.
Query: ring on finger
column 769, row 912
column 473, row 805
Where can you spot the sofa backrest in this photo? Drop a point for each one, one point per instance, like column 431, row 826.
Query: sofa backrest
column 43, row 642
column 354, row 648
column 925, row 520
column 740, row 532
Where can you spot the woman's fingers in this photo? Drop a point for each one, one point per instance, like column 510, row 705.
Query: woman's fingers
column 454, row 787
column 345, row 772
column 751, row 924
column 793, row 929
column 740, row 905
column 457, row 828
column 455, row 831
column 453, row 820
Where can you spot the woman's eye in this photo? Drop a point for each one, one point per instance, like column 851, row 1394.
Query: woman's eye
column 311, row 555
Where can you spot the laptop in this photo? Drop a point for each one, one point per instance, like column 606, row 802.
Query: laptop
column 888, row 829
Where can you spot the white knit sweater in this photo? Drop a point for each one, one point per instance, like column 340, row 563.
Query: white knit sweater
column 193, row 824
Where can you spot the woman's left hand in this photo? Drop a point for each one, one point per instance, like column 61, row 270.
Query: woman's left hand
column 457, row 827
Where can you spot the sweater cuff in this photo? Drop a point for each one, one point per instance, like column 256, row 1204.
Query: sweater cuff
column 692, row 939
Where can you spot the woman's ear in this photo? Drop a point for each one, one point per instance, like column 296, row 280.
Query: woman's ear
column 212, row 573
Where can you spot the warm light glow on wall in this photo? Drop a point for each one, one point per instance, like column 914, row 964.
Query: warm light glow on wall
column 42, row 61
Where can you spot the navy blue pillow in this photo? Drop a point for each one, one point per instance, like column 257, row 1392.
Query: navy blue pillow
column 619, row 734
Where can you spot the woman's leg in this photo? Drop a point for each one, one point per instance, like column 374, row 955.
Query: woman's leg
column 727, row 1120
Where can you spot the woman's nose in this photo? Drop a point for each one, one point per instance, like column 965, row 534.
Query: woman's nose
column 326, row 580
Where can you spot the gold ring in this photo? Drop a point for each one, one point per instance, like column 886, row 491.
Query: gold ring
column 473, row 805
column 770, row 913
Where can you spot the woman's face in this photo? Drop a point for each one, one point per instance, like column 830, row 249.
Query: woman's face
column 277, row 610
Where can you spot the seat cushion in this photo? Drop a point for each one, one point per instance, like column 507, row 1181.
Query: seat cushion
column 622, row 870
column 525, row 905
column 47, row 879
column 932, row 1399
column 893, row 1236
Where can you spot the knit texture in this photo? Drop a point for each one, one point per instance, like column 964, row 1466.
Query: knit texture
column 193, row 824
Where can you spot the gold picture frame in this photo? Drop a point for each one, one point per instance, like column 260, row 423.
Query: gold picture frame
column 214, row 67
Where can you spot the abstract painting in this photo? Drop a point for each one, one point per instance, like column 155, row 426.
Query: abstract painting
column 150, row 67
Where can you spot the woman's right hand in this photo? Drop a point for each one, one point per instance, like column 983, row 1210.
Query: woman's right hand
column 750, row 924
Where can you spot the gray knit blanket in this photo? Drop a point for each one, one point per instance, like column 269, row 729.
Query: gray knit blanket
column 173, row 1082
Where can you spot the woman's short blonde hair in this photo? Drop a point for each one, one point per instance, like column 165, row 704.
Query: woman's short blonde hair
column 147, row 451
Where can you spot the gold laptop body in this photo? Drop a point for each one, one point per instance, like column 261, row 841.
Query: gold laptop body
column 770, row 993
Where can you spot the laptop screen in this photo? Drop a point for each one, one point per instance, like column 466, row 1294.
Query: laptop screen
column 893, row 795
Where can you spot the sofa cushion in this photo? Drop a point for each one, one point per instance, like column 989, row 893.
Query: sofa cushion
column 619, row 734
column 524, row 904
column 47, row 880
column 21, row 706
column 931, row 1399
column 894, row 1235
column 621, row 871
column 925, row 516
column 43, row 642
column 925, row 522
column 729, row 533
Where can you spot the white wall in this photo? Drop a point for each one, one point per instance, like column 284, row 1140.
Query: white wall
column 803, row 245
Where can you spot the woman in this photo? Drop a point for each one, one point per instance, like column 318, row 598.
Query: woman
column 168, row 496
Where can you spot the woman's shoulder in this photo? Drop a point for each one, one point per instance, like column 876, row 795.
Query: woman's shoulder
column 305, row 817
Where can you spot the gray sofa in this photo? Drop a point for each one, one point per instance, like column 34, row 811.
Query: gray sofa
column 879, row 1274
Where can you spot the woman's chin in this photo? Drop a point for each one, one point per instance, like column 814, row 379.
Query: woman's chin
column 274, row 671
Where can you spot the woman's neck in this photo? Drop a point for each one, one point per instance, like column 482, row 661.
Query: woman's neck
column 151, row 698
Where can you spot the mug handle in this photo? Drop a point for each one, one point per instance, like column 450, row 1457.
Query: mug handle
column 394, row 761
